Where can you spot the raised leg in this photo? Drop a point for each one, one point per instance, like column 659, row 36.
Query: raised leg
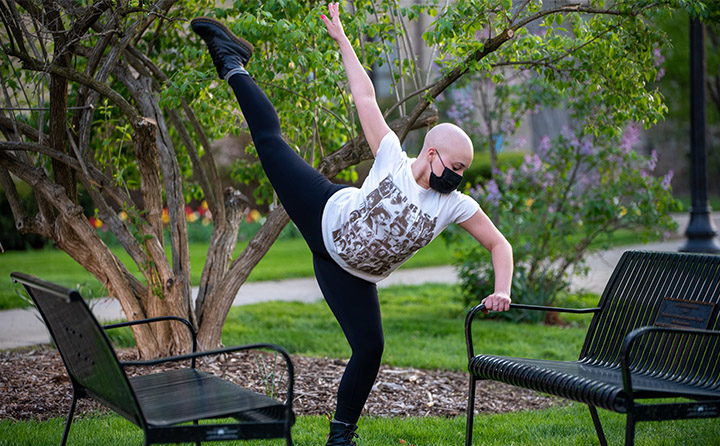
column 302, row 190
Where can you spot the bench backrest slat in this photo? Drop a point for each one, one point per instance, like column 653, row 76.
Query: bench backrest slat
column 632, row 298
column 85, row 349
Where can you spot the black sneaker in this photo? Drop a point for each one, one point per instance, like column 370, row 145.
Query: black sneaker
column 342, row 434
column 226, row 49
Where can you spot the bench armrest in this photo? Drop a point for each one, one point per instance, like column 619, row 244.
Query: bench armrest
column 480, row 307
column 633, row 336
column 237, row 348
column 187, row 323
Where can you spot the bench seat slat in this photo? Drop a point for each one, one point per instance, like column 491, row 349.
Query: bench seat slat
column 600, row 386
column 179, row 396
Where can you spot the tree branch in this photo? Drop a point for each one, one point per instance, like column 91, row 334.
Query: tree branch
column 206, row 172
column 97, row 178
column 441, row 85
column 519, row 11
column 23, row 128
column 357, row 149
column 82, row 79
column 22, row 222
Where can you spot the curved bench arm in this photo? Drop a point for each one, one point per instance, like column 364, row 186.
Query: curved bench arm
column 237, row 348
column 626, row 359
column 477, row 308
column 187, row 323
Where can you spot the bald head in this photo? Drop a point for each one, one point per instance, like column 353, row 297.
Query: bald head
column 452, row 143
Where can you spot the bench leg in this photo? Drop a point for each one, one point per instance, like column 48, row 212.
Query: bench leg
column 598, row 426
column 470, row 412
column 69, row 420
column 630, row 430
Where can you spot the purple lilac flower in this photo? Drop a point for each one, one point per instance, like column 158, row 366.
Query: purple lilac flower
column 549, row 177
column 660, row 74
column 667, row 179
column 652, row 162
column 493, row 193
column 509, row 176
column 630, row 137
column 520, row 142
column 462, row 109
column 508, row 126
column 584, row 181
column 531, row 164
column 568, row 134
column 544, row 146
column 659, row 58
column 475, row 191
column 587, row 147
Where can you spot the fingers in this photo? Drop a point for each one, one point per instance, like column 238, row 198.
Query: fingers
column 335, row 13
column 334, row 19
column 497, row 302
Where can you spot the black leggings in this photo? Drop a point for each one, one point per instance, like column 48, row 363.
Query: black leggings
column 303, row 191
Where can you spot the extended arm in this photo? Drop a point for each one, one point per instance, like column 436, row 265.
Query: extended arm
column 371, row 119
column 485, row 232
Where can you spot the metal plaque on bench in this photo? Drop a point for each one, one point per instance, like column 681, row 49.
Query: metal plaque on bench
column 684, row 313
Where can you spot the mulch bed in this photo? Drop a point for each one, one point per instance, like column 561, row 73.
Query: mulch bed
column 34, row 385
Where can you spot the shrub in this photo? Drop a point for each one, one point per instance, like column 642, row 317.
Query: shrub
column 574, row 192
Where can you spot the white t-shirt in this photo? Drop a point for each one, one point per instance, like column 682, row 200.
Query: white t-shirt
column 373, row 230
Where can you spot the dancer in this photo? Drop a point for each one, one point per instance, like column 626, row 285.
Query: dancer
column 358, row 236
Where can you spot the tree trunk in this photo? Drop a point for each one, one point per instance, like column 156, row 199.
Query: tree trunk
column 218, row 302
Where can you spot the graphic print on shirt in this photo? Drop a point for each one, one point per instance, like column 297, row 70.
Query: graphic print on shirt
column 385, row 231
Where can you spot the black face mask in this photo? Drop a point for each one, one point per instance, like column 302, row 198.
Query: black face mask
column 447, row 182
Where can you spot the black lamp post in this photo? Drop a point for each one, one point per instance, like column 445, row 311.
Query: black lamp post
column 700, row 232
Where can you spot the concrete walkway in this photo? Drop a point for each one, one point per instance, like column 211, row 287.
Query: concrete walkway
column 20, row 328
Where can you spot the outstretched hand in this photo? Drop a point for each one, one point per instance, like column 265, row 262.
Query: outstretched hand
column 334, row 27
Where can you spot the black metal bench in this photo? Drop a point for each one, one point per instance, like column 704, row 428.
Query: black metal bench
column 163, row 404
column 655, row 334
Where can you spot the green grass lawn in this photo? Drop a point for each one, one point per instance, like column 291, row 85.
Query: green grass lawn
column 563, row 426
column 423, row 325
column 423, row 328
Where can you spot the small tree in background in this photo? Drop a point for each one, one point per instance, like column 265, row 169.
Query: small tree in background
column 573, row 193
